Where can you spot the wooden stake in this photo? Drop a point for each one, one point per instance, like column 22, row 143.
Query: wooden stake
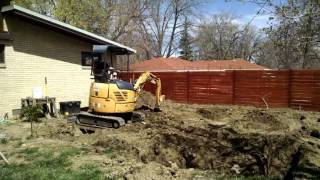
column 4, row 158
column 265, row 102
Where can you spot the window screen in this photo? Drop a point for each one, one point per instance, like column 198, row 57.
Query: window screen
column 87, row 58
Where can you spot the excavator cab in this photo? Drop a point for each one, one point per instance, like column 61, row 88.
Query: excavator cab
column 102, row 68
column 108, row 94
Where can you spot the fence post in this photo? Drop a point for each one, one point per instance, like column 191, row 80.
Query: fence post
column 289, row 88
column 233, row 86
column 188, row 86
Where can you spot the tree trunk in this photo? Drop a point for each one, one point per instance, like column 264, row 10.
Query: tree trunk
column 31, row 128
column 176, row 16
column 307, row 43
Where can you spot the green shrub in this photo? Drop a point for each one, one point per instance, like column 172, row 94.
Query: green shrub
column 4, row 141
column 32, row 114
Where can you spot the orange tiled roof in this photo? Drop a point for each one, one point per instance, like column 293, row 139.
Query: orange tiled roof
column 174, row 64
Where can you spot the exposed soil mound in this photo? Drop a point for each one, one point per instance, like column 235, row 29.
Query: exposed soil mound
column 215, row 113
column 260, row 120
column 260, row 116
column 60, row 130
column 145, row 99
column 116, row 145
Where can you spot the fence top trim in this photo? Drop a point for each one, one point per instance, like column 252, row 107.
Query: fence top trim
column 224, row 70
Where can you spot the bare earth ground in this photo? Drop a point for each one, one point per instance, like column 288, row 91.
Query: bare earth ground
column 183, row 142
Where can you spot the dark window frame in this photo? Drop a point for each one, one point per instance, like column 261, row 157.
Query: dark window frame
column 87, row 58
column 2, row 53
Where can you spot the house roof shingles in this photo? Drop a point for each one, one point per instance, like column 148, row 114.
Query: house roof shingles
column 161, row 64
column 176, row 64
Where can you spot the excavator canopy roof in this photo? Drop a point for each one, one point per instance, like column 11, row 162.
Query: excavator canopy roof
column 113, row 49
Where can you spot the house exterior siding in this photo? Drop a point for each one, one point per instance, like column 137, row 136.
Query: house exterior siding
column 37, row 52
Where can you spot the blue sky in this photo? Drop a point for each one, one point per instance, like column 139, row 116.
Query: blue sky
column 244, row 11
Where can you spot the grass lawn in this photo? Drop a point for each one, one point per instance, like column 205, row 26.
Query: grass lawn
column 49, row 165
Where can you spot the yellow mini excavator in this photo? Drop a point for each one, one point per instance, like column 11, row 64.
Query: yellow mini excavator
column 112, row 101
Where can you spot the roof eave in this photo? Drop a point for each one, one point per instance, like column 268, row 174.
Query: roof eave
column 60, row 25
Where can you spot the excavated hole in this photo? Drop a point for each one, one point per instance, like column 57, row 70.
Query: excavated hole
column 226, row 151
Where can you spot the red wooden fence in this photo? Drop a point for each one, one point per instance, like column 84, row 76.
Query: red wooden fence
column 276, row 88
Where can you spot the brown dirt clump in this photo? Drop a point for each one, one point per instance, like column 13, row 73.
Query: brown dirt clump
column 214, row 114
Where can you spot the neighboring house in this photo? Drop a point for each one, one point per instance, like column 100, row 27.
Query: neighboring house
column 235, row 64
column 176, row 64
column 34, row 47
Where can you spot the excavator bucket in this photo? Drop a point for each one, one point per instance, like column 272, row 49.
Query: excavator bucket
column 162, row 98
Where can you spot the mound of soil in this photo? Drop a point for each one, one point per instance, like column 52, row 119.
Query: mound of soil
column 260, row 120
column 146, row 100
column 60, row 129
column 214, row 114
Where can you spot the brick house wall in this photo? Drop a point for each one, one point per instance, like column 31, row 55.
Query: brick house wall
column 37, row 52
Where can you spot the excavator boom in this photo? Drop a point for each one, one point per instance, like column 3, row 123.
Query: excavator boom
column 149, row 77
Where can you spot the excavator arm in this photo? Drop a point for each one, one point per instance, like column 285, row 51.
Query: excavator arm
column 149, row 77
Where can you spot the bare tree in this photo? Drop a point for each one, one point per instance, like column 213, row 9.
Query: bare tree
column 163, row 21
column 292, row 39
column 181, row 9
column 220, row 37
column 156, row 23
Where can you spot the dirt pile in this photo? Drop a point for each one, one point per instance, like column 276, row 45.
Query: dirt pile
column 214, row 114
column 146, row 100
column 57, row 129
column 260, row 120
column 119, row 146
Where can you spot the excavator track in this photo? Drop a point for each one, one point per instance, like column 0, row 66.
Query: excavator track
column 138, row 116
column 90, row 121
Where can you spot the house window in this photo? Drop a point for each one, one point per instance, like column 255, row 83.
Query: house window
column 88, row 57
column 2, row 53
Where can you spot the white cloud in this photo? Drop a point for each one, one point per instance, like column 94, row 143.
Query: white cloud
column 259, row 21
column 238, row 21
